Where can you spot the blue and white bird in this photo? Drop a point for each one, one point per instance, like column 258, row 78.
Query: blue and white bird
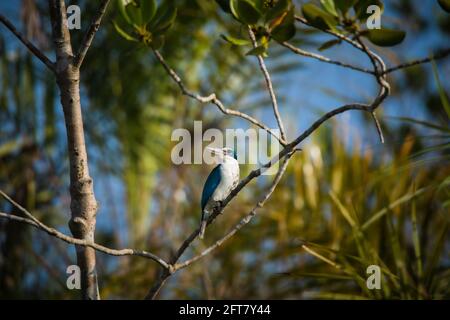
column 221, row 181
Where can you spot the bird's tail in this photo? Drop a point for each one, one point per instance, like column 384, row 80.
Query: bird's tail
column 202, row 229
column 202, row 226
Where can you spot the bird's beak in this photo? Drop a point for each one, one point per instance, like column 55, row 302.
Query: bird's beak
column 215, row 151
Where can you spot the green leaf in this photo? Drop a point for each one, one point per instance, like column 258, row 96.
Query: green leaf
column 280, row 7
column 286, row 29
column 329, row 44
column 442, row 94
column 134, row 12
column 344, row 5
column 123, row 12
column 361, row 8
column 386, row 37
column 407, row 197
column 148, row 10
column 164, row 17
column 283, row 32
column 329, row 7
column 235, row 41
column 123, row 33
column 318, row 17
column 258, row 51
column 259, row 4
column 445, row 5
column 245, row 11
column 343, row 210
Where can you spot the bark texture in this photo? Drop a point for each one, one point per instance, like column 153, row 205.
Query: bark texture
column 83, row 204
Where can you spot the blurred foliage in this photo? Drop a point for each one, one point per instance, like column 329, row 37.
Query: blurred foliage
column 337, row 210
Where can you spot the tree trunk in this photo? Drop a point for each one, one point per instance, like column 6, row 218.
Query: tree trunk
column 83, row 204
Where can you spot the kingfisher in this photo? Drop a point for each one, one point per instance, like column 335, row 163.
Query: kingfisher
column 221, row 181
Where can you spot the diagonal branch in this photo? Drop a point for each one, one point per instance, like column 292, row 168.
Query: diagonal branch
column 245, row 220
column 438, row 55
column 212, row 98
column 269, row 85
column 334, row 34
column 153, row 292
column 285, row 152
column 323, row 58
column 33, row 49
column 435, row 56
column 33, row 221
column 89, row 36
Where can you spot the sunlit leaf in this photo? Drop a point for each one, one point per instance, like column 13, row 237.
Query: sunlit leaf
column 134, row 12
column 258, row 51
column 318, row 17
column 286, row 30
column 392, row 205
column 245, row 11
column 329, row 6
column 123, row 12
column 235, row 41
column 123, row 33
column 280, row 7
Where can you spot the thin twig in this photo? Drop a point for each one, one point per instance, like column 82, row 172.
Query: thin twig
column 212, row 98
column 89, row 36
column 33, row 49
column 323, row 58
column 436, row 56
column 380, row 75
column 269, row 85
column 378, row 126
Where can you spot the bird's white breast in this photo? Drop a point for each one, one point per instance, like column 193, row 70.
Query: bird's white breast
column 229, row 172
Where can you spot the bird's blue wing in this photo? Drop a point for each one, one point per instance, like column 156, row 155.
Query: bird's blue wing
column 210, row 185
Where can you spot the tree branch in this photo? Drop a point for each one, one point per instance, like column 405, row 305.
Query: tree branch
column 33, row 221
column 33, row 49
column 89, row 36
column 269, row 85
column 212, row 98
